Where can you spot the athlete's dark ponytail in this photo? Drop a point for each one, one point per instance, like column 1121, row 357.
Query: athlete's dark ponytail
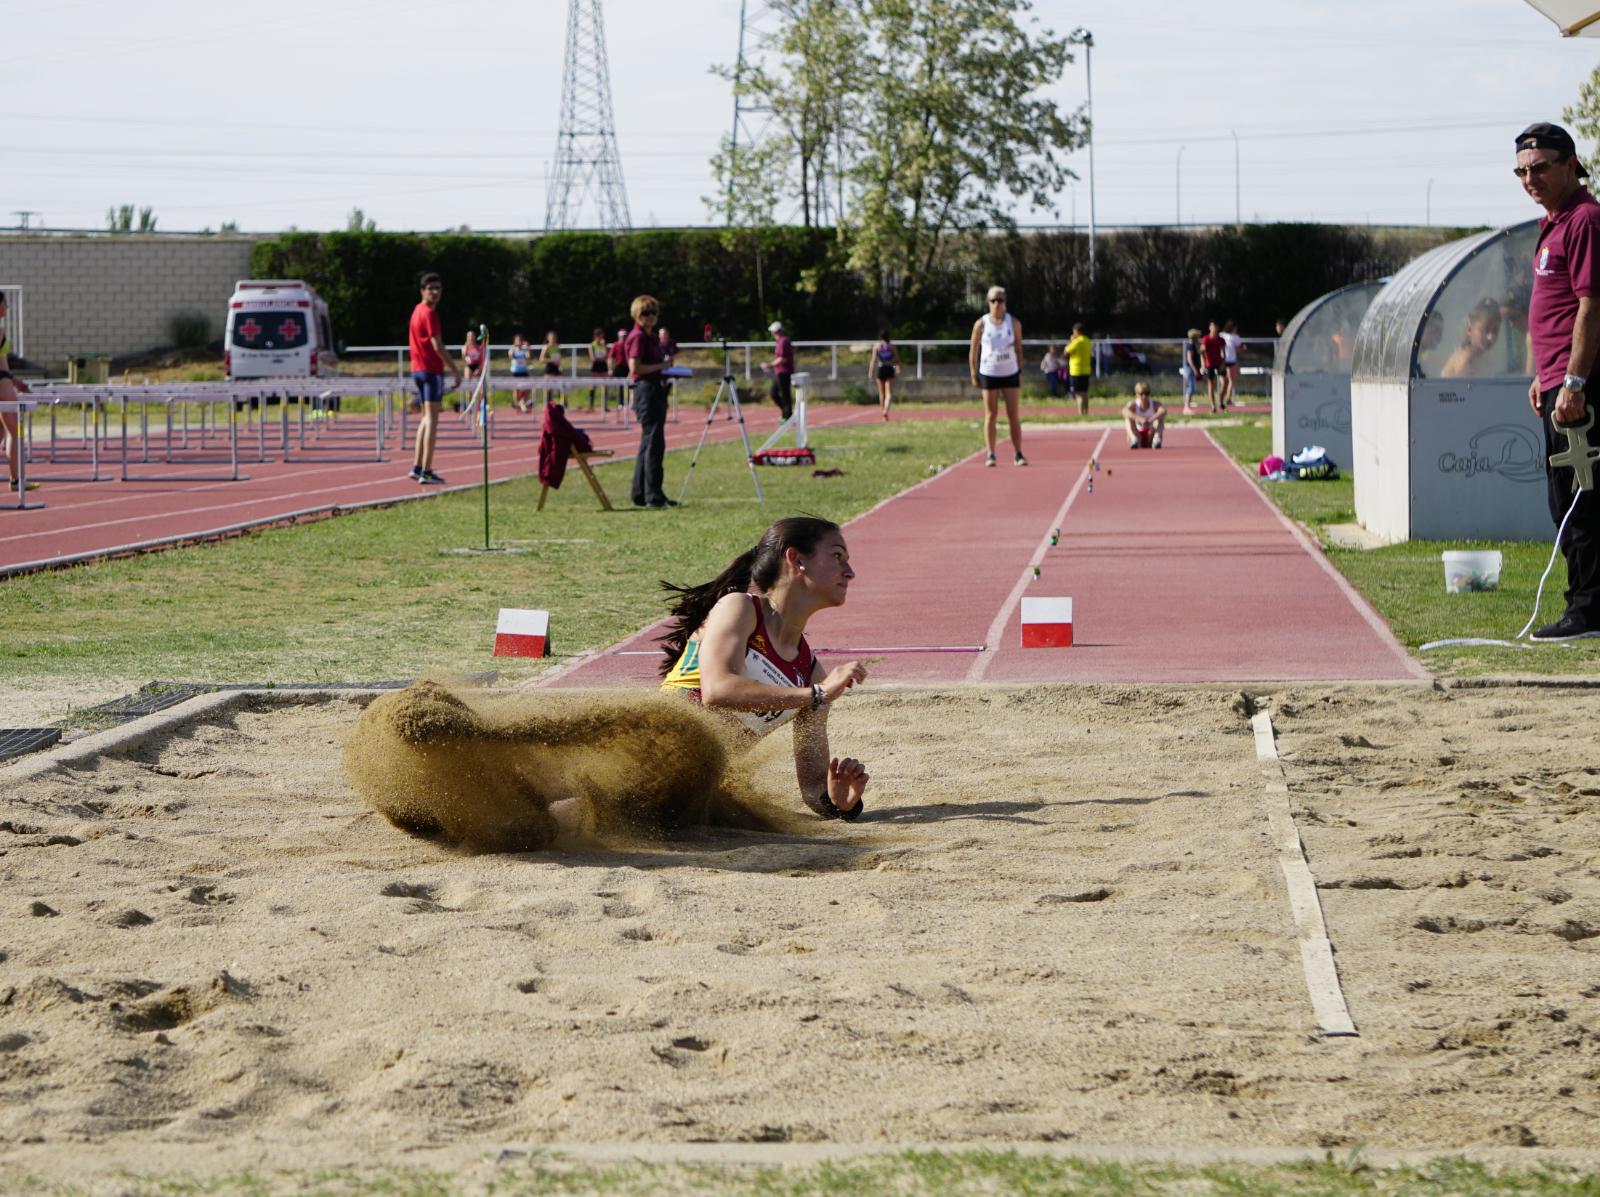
column 762, row 565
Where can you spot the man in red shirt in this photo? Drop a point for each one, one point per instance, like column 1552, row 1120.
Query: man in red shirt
column 429, row 361
column 1212, row 348
column 782, row 370
column 1564, row 330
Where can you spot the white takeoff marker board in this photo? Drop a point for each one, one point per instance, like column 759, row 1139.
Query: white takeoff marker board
column 1046, row 623
column 522, row 633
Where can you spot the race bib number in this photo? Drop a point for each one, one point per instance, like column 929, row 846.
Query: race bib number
column 759, row 668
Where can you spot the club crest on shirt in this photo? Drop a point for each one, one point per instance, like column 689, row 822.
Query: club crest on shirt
column 1544, row 260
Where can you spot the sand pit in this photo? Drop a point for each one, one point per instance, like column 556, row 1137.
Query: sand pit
column 1063, row 920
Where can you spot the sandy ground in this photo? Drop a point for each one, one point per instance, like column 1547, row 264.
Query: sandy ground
column 1062, row 921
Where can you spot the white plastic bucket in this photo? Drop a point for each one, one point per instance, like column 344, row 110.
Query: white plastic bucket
column 1469, row 570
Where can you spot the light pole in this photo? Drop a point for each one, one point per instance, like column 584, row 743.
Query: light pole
column 1235, row 137
column 1177, row 174
column 1086, row 39
column 1428, row 218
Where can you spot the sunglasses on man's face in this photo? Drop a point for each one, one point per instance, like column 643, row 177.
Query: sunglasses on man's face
column 997, row 299
column 1533, row 170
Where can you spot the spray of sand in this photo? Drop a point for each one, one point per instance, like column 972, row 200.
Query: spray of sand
column 483, row 771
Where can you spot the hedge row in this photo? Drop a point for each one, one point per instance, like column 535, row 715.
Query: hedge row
column 1148, row 282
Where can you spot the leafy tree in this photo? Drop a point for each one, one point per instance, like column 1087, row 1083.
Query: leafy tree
column 802, row 74
column 1584, row 116
column 951, row 131
column 358, row 222
column 752, row 183
column 926, row 114
column 121, row 219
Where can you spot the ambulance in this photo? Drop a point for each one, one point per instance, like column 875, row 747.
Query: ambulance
column 277, row 328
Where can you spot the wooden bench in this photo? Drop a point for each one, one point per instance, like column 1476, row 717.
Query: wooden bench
column 583, row 464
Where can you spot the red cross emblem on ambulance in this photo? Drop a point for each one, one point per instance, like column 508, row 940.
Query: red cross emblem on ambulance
column 289, row 329
column 250, row 330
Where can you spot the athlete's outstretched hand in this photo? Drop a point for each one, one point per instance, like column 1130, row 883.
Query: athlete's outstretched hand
column 841, row 677
column 846, row 779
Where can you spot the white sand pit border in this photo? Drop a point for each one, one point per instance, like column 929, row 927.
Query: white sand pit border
column 83, row 751
column 1316, row 952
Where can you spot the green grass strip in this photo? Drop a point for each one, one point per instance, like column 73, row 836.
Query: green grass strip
column 909, row 1174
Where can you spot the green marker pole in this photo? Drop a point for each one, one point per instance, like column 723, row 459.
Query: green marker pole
column 483, row 426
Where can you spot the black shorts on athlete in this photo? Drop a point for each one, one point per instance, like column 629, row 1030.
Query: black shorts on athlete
column 1003, row 382
column 1078, row 383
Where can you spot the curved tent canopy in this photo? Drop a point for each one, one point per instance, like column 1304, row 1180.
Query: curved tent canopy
column 1321, row 339
column 1575, row 18
column 1458, row 311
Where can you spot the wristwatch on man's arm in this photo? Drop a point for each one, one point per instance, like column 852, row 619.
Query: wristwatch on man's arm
column 1574, row 383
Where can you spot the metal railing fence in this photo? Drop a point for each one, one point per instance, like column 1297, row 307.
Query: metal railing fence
column 934, row 358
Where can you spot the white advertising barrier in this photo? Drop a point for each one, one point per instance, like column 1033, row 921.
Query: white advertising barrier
column 1443, row 442
column 1311, row 374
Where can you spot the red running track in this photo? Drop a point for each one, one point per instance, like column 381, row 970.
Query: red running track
column 1178, row 567
column 107, row 517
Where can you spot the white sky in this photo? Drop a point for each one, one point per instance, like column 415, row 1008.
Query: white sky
column 431, row 114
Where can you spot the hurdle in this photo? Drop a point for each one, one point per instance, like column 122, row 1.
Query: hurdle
column 21, row 408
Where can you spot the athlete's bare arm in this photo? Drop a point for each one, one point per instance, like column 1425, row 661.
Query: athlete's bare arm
column 816, row 772
column 723, row 639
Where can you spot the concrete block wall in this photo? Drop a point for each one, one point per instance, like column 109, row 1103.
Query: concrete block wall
column 116, row 294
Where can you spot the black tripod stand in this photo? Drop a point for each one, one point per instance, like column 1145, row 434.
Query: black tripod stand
column 730, row 389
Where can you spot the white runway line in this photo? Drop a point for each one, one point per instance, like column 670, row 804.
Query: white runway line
column 1316, row 952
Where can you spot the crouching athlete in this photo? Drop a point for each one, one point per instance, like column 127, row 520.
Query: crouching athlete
column 745, row 654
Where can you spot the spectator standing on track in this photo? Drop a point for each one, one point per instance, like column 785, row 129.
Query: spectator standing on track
column 599, row 360
column 670, row 348
column 782, row 370
column 619, row 354
column 1193, row 366
column 994, row 357
column 550, row 354
column 1231, row 343
column 518, row 355
column 642, row 348
column 10, row 422
column 429, row 362
column 1050, row 367
column 1211, row 350
column 1144, row 418
column 1564, row 328
column 885, row 363
column 1080, row 366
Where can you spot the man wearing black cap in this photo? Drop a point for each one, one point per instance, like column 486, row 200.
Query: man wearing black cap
column 1564, row 328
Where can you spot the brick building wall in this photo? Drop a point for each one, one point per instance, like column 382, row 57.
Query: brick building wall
column 116, row 294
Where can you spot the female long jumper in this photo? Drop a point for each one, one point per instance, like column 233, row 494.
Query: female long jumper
column 745, row 654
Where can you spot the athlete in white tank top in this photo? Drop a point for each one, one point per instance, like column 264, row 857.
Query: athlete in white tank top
column 995, row 361
column 999, row 358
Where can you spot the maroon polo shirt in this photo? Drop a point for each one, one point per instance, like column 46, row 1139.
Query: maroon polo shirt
column 644, row 346
column 783, row 355
column 1566, row 268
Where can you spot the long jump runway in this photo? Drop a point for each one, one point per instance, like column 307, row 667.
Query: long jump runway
column 1178, row 569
